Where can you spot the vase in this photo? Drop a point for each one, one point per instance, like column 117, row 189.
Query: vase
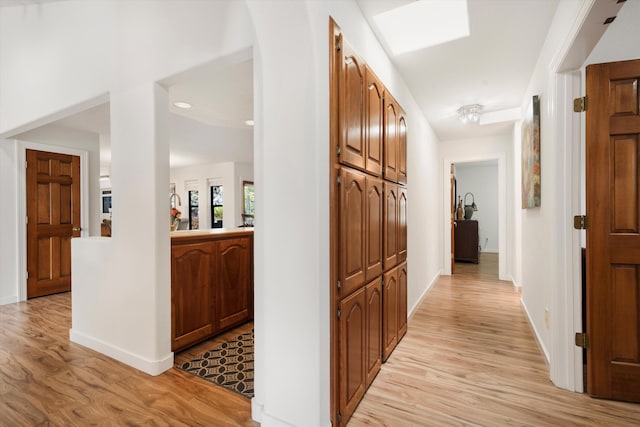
column 468, row 212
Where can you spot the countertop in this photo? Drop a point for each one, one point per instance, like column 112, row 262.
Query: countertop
column 210, row 233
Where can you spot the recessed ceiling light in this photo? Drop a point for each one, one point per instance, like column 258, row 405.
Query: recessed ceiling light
column 248, row 122
column 181, row 104
column 423, row 23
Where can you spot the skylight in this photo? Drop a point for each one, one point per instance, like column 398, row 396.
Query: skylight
column 423, row 23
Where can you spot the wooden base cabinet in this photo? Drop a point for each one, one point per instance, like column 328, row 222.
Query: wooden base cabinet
column 211, row 286
column 394, row 308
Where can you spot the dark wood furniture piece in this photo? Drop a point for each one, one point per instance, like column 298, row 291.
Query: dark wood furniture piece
column 368, row 226
column 466, row 241
column 211, row 283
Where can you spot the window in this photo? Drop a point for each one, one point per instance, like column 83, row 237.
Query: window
column 194, row 207
column 216, row 206
column 248, row 203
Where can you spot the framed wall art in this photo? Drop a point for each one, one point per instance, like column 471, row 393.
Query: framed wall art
column 531, row 156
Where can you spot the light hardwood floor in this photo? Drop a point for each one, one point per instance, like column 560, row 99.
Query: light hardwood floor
column 470, row 358
column 46, row 380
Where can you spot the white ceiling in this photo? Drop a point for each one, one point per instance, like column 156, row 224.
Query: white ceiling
column 491, row 67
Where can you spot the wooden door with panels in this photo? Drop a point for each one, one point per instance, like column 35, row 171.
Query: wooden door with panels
column 402, row 148
column 390, row 162
column 390, row 244
column 613, row 233
column 374, row 229
column 389, row 313
column 353, row 205
column 234, row 282
column 53, row 219
column 374, row 121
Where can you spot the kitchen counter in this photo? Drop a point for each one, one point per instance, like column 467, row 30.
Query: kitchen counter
column 210, row 233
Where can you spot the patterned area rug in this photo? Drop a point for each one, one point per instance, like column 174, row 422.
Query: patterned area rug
column 229, row 365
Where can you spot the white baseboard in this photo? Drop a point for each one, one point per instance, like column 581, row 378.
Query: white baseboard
column 545, row 352
column 256, row 410
column 424, row 293
column 516, row 286
column 8, row 300
column 489, row 251
column 151, row 367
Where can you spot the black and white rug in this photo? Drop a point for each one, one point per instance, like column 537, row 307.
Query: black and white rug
column 229, row 365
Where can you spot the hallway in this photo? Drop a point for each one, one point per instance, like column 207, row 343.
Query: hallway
column 470, row 358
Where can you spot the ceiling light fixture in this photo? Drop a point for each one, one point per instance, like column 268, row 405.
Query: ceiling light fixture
column 248, row 122
column 469, row 113
column 182, row 104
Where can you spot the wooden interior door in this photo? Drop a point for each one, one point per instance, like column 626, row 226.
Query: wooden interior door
column 53, row 218
column 613, row 234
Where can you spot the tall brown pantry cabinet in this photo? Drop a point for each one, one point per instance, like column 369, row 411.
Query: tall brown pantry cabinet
column 368, row 226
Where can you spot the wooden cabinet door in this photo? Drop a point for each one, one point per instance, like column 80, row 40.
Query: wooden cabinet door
column 192, row 270
column 374, row 108
column 402, row 224
column 351, row 85
column 390, row 160
column 390, row 222
column 389, row 313
column 234, row 282
column 402, row 300
column 353, row 201
column 373, row 228
column 352, row 351
column 402, row 149
column 373, row 329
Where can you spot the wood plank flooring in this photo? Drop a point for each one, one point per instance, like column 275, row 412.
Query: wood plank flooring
column 470, row 358
column 47, row 380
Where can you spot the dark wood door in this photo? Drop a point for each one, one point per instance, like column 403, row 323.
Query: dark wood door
column 389, row 313
column 375, row 124
column 192, row 299
column 374, row 329
column 613, row 235
column 351, row 88
column 373, row 228
column 234, row 283
column 390, row 160
column 53, row 218
column 402, row 300
column 353, row 204
column 402, row 224
column 390, row 244
column 352, row 351
column 402, row 149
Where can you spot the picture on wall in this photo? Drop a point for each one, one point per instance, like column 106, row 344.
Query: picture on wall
column 531, row 156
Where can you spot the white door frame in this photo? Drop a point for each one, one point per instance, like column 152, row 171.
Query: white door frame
column 23, row 146
column 502, row 209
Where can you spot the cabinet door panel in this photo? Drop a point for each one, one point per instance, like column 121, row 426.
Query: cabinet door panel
column 375, row 124
column 191, row 293
column 373, row 230
column 402, row 300
column 374, row 329
column 390, row 243
column 234, row 282
column 389, row 312
column 402, row 224
column 390, row 138
column 352, row 229
column 352, row 351
column 402, row 149
column 351, row 107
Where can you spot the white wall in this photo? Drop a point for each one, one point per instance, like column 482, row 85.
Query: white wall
column 229, row 174
column 482, row 181
column 128, row 45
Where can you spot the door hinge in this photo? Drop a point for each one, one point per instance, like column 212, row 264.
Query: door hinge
column 339, row 313
column 582, row 340
column 580, row 104
column 26, row 164
column 338, row 43
column 339, row 418
column 338, row 150
column 339, row 179
column 580, row 222
column 339, row 284
column 27, row 275
column 26, row 220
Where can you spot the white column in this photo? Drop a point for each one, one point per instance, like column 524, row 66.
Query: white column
column 121, row 289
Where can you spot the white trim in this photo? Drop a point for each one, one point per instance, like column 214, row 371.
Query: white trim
column 545, row 352
column 424, row 294
column 9, row 300
column 151, row 367
column 23, row 146
column 516, row 286
column 502, row 209
column 257, row 409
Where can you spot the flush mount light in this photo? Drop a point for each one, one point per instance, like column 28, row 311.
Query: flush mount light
column 421, row 24
column 248, row 122
column 469, row 113
column 182, row 104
